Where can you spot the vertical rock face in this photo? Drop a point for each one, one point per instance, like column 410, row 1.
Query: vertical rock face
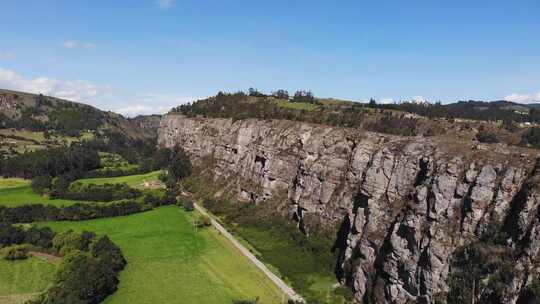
column 403, row 204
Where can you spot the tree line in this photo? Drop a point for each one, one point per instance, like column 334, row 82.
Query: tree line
column 52, row 162
column 237, row 106
column 299, row 96
column 76, row 212
column 90, row 265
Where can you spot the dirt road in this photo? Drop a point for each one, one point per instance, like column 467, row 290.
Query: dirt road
column 278, row 281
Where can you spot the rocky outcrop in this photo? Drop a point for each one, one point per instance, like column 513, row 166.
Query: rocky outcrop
column 403, row 204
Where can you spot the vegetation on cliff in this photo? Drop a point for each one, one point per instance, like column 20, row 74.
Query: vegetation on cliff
column 499, row 120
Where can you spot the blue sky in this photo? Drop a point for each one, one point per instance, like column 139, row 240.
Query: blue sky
column 145, row 56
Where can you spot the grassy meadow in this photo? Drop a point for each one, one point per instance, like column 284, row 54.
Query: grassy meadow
column 24, row 279
column 170, row 262
column 110, row 161
column 300, row 268
column 135, row 181
column 25, row 141
column 297, row 105
column 16, row 192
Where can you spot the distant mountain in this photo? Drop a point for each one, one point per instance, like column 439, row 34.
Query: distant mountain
column 19, row 110
column 533, row 105
column 500, row 104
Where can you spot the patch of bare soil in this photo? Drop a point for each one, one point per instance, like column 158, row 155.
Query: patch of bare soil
column 45, row 257
column 18, row 298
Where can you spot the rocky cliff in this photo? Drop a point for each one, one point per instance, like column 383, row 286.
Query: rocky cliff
column 403, row 205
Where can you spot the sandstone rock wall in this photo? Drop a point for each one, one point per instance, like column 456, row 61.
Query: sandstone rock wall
column 403, row 204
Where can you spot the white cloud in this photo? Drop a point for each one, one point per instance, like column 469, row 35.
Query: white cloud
column 152, row 104
column 100, row 96
column 76, row 90
column 134, row 110
column 386, row 100
column 74, row 44
column 165, row 4
column 523, row 98
column 419, row 99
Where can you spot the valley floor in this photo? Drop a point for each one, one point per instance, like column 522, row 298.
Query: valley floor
column 170, row 262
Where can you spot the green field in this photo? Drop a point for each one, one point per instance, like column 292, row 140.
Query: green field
column 134, row 181
column 12, row 182
column 17, row 192
column 22, row 280
column 111, row 161
column 26, row 141
column 297, row 105
column 170, row 262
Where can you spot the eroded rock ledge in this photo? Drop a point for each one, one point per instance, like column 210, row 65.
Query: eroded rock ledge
column 403, row 204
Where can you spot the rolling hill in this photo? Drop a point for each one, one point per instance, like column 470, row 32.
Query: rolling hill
column 33, row 112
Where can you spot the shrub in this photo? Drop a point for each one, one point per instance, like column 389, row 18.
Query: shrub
column 487, row 137
column 482, row 269
column 151, row 200
column 254, row 301
column 204, row 221
column 154, row 200
column 391, row 124
column 15, row 252
column 188, row 205
column 41, row 184
column 532, row 137
column 40, row 237
column 68, row 241
column 100, row 193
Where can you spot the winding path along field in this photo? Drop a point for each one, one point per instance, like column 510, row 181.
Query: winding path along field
column 279, row 282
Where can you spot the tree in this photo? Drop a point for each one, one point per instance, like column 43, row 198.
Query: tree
column 204, row 221
column 534, row 114
column 532, row 137
column 304, row 96
column 41, row 184
column 15, row 252
column 255, row 93
column 281, row 94
column 372, row 103
column 180, row 165
column 188, row 205
column 509, row 125
column 104, row 248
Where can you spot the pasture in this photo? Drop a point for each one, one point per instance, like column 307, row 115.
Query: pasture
column 22, row 280
column 16, row 192
column 169, row 261
column 25, row 141
column 297, row 105
column 135, row 181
